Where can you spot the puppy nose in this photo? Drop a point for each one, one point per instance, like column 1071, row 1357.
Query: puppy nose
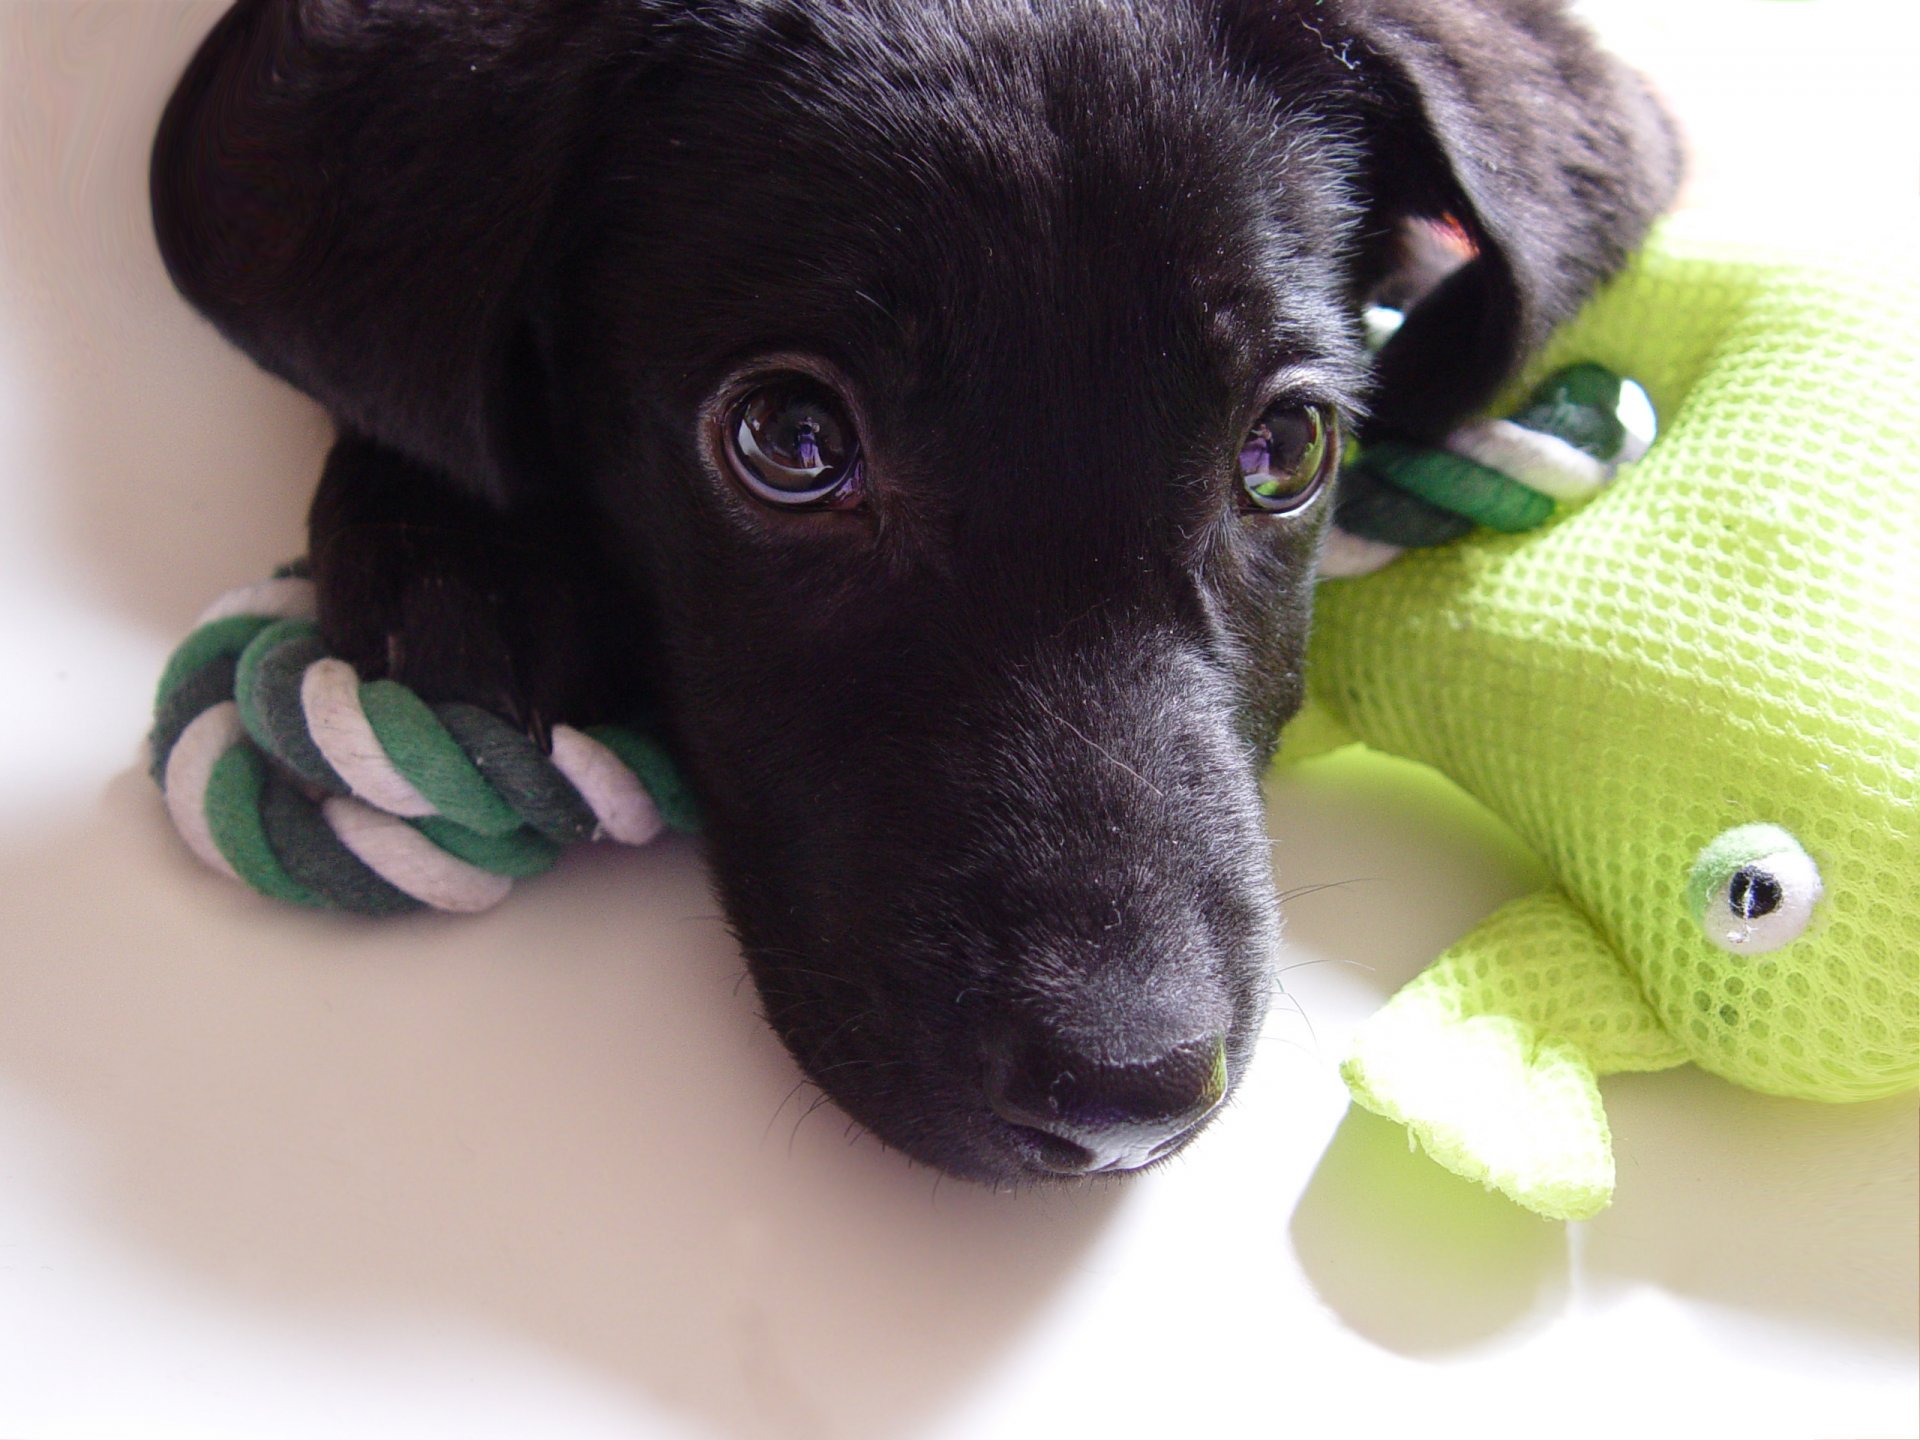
column 1091, row 1114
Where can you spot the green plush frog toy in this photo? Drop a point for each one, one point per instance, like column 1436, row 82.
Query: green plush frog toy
column 1696, row 696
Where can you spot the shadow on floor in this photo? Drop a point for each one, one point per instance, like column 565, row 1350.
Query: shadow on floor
column 563, row 1122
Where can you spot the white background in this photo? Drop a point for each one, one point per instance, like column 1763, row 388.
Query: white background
column 545, row 1173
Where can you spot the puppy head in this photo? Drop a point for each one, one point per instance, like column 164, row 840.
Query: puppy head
column 959, row 385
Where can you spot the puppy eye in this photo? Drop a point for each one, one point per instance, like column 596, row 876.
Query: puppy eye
column 790, row 443
column 1288, row 456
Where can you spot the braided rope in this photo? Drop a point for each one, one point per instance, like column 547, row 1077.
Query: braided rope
column 283, row 769
column 1575, row 431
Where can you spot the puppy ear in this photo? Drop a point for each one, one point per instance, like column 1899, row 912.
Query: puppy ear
column 361, row 195
column 1505, row 118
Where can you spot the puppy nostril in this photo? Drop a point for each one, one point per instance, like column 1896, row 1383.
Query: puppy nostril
column 1119, row 1115
column 1061, row 1156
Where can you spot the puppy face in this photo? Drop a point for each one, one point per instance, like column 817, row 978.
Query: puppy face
column 954, row 388
column 978, row 736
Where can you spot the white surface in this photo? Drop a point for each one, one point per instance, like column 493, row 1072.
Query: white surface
column 545, row 1173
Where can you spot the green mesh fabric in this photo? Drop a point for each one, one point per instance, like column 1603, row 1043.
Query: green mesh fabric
column 1728, row 635
column 1489, row 1057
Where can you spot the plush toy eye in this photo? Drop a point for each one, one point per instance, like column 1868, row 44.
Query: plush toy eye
column 1288, row 456
column 789, row 442
column 1754, row 889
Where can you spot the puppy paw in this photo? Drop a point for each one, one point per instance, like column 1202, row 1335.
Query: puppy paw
column 445, row 594
column 449, row 621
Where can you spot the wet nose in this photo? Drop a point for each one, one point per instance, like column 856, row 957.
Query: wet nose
column 1087, row 1114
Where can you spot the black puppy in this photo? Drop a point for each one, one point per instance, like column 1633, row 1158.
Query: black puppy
column 926, row 409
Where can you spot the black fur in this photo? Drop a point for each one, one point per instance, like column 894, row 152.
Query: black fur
column 982, row 758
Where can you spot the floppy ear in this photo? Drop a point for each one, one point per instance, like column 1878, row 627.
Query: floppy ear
column 361, row 194
column 1507, row 119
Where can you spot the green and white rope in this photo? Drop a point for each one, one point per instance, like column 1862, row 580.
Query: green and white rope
column 1577, row 429
column 283, row 769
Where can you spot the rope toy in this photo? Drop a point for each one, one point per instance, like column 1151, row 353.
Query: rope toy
column 1579, row 426
column 283, row 769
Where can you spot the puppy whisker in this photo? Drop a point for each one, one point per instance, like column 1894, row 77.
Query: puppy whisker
column 1325, row 960
column 1094, row 744
column 819, row 1100
column 1294, row 1004
column 1302, row 891
column 785, row 1100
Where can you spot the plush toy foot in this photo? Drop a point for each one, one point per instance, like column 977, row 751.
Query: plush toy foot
column 1491, row 1100
column 1489, row 1058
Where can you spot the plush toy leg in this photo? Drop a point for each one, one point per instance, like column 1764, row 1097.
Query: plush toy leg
column 1315, row 731
column 1489, row 1058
